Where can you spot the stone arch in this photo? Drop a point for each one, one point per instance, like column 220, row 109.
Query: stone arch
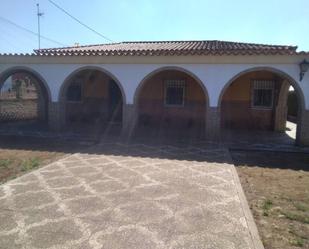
column 283, row 75
column 67, row 80
column 8, row 72
column 98, row 111
column 170, row 68
column 42, row 88
column 153, row 114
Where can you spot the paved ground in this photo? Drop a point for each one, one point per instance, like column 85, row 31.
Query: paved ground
column 137, row 196
column 233, row 139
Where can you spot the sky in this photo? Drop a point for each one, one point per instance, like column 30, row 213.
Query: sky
column 283, row 22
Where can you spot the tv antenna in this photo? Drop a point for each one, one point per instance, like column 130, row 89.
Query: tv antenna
column 39, row 14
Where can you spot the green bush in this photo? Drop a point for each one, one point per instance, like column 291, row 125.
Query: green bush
column 29, row 164
column 4, row 163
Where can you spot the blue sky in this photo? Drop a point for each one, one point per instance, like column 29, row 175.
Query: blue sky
column 262, row 21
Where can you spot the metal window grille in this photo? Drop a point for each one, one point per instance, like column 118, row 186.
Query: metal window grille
column 263, row 84
column 263, row 91
column 174, row 92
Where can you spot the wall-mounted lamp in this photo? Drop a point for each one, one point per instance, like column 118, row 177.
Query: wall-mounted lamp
column 303, row 67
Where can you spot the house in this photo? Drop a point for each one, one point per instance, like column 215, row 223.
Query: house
column 198, row 87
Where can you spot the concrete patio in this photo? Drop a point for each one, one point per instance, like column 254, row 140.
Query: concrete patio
column 129, row 196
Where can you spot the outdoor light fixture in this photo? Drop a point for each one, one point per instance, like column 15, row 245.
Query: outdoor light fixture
column 303, row 66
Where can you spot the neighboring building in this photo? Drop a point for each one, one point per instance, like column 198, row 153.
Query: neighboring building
column 21, row 83
column 201, row 87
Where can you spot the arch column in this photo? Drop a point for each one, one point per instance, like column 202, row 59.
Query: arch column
column 129, row 119
column 213, row 121
column 54, row 116
column 281, row 109
column 302, row 135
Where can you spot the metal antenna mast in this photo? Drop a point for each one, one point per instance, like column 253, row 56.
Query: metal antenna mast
column 39, row 14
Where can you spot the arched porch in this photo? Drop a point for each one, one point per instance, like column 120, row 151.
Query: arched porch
column 253, row 107
column 24, row 100
column 171, row 103
column 92, row 102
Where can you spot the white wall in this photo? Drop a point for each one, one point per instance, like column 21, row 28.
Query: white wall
column 213, row 76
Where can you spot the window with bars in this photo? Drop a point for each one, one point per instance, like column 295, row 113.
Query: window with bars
column 263, row 93
column 174, row 92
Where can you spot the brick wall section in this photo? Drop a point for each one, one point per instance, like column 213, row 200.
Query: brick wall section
column 303, row 129
column 17, row 110
column 213, row 123
column 55, row 116
column 89, row 109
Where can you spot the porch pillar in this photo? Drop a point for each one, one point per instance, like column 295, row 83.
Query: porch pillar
column 42, row 108
column 213, row 128
column 302, row 136
column 281, row 110
column 129, row 119
column 55, row 116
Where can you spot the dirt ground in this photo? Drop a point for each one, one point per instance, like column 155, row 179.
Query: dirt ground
column 277, row 189
column 22, row 154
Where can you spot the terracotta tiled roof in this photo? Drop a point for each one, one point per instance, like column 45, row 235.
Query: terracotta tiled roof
column 163, row 48
column 155, row 48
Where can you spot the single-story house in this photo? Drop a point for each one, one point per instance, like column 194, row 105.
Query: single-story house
column 200, row 86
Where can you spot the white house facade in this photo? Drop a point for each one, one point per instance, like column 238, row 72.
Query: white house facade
column 153, row 79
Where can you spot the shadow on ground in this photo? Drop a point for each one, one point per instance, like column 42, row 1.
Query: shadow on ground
column 167, row 146
column 41, row 144
column 163, row 149
column 273, row 160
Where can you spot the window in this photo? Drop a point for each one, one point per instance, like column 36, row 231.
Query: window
column 174, row 92
column 74, row 92
column 263, row 93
